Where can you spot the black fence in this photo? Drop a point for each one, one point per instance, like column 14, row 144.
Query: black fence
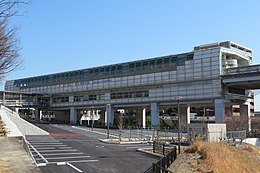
column 163, row 164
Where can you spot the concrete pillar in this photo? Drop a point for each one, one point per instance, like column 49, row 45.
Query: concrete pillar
column 155, row 115
column 245, row 113
column 103, row 117
column 139, row 117
column 3, row 98
column 219, row 111
column 144, row 118
column 229, row 111
column 188, row 115
column 110, row 114
column 20, row 99
column 37, row 115
column 73, row 115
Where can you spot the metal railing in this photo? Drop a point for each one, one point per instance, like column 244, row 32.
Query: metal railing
column 162, row 165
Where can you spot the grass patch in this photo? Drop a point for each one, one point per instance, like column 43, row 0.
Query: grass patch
column 221, row 158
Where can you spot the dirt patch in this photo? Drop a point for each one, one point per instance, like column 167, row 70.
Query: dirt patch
column 14, row 159
column 203, row 157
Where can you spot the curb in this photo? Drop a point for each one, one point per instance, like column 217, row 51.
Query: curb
column 150, row 153
column 130, row 142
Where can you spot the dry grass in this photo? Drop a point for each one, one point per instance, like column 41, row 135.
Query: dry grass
column 222, row 158
column 3, row 130
column 3, row 167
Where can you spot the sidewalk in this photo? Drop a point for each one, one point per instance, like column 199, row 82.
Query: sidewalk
column 14, row 158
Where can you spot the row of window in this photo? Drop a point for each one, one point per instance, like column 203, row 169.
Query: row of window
column 156, row 63
column 90, row 97
column 60, row 99
column 130, row 94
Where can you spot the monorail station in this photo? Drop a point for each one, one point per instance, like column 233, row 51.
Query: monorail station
column 209, row 83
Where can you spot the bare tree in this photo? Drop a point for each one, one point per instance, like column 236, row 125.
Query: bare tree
column 9, row 49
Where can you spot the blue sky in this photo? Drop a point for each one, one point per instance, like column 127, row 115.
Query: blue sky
column 61, row 35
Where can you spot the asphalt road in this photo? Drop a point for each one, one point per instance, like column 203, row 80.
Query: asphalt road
column 69, row 149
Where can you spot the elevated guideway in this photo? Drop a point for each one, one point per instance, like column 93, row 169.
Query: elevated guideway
column 247, row 77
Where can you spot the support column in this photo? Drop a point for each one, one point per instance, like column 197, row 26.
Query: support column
column 3, row 98
column 110, row 115
column 139, row 117
column 37, row 114
column 103, row 117
column 219, row 111
column 73, row 115
column 188, row 115
column 144, row 118
column 155, row 115
column 245, row 114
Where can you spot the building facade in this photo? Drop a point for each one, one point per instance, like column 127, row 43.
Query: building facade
column 155, row 85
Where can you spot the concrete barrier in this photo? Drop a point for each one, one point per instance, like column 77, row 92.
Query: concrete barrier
column 253, row 141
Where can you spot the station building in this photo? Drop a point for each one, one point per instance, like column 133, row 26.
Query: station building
column 149, row 87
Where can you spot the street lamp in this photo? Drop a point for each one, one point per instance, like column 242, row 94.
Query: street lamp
column 179, row 125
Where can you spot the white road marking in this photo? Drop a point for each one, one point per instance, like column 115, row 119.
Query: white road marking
column 46, row 148
column 61, row 163
column 74, row 161
column 64, row 147
column 53, row 158
column 41, row 164
column 50, row 145
column 74, row 167
column 47, row 151
column 78, row 161
column 41, row 143
column 62, row 154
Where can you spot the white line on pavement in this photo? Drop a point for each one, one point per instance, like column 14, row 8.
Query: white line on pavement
column 45, row 148
column 47, row 151
column 41, row 143
column 41, row 164
column 62, row 154
column 64, row 147
column 50, row 145
column 61, row 163
column 74, row 161
column 79, row 161
column 53, row 158
column 74, row 167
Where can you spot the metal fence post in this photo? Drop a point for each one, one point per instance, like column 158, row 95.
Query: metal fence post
column 164, row 149
column 153, row 146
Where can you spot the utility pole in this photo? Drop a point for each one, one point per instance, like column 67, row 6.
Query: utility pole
column 179, row 125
